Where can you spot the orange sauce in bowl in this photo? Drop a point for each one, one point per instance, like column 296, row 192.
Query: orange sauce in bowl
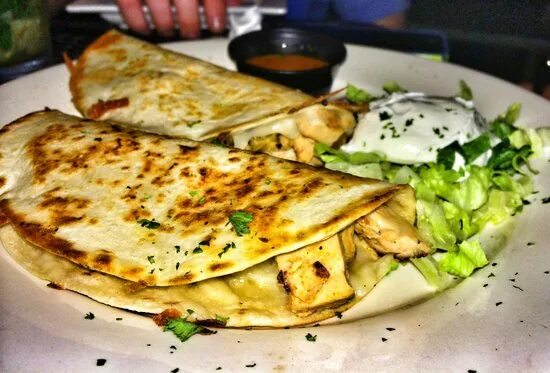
column 286, row 62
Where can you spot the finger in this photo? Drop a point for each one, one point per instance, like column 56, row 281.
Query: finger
column 133, row 15
column 187, row 12
column 215, row 15
column 161, row 13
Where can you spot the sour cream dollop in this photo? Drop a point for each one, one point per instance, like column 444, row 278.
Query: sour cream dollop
column 411, row 127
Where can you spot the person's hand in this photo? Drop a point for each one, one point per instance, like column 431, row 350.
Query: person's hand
column 186, row 15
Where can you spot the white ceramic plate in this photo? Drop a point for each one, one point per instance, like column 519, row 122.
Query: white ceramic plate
column 463, row 329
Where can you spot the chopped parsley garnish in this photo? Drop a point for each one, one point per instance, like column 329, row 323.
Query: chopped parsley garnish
column 177, row 265
column 118, row 319
column 226, row 248
column 384, row 115
column 205, row 243
column 409, row 122
column 191, row 124
column 193, row 193
column 89, row 316
column 240, row 221
column 190, row 311
column 217, row 142
column 100, row 362
column 197, row 250
column 222, row 319
column 202, row 200
column 149, row 224
column 546, row 200
column 177, row 248
column 437, row 131
column 250, row 365
column 311, row 338
column 267, row 181
column 182, row 328
column 176, row 370
column 151, row 259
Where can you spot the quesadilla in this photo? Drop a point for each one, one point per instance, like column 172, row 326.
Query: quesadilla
column 147, row 213
column 252, row 297
column 145, row 87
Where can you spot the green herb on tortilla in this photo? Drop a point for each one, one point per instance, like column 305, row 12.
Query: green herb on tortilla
column 149, row 224
column 240, row 221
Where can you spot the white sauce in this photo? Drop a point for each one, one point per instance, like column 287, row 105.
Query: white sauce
column 410, row 128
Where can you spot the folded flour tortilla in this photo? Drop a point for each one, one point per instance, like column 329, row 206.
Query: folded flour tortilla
column 250, row 298
column 145, row 87
column 146, row 215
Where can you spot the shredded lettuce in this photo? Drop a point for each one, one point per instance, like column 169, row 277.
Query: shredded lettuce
column 357, row 95
column 433, row 225
column 393, row 87
column 369, row 170
column 454, row 206
column 462, row 263
column 429, row 268
column 328, row 154
column 465, row 91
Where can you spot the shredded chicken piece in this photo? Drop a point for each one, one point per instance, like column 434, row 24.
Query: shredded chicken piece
column 389, row 233
column 315, row 276
column 347, row 244
column 305, row 149
column 326, row 125
column 361, row 244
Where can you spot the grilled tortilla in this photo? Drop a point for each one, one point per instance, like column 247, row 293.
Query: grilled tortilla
column 145, row 87
column 252, row 297
column 150, row 88
column 157, row 210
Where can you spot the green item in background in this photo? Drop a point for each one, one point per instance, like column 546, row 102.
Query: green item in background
column 24, row 31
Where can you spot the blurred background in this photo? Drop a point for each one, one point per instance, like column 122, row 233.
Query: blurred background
column 509, row 39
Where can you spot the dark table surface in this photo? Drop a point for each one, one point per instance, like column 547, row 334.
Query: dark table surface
column 521, row 56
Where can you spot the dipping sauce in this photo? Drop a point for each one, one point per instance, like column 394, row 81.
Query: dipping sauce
column 286, row 62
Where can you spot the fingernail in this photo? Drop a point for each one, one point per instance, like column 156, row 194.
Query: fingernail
column 217, row 24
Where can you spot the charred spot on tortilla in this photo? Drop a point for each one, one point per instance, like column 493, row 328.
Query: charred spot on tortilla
column 320, row 270
column 103, row 260
column 55, row 286
column 219, row 266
